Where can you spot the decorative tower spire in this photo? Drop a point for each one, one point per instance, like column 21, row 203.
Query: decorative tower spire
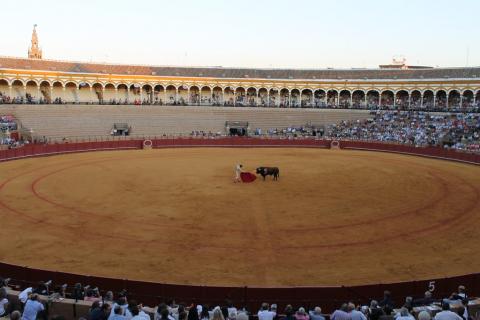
column 34, row 52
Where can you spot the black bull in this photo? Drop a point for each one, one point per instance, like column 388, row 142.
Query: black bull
column 269, row 171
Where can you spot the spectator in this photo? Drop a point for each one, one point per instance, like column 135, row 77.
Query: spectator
column 424, row 315
column 193, row 313
column 15, row 315
column 3, row 302
column 217, row 314
column 425, row 301
column 265, row 314
column 32, row 308
column 341, row 314
column 316, row 314
column 118, row 314
column 375, row 312
column 354, row 313
column 301, row 314
column 446, row 314
column 404, row 315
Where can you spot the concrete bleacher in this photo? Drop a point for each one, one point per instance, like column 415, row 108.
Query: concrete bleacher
column 75, row 121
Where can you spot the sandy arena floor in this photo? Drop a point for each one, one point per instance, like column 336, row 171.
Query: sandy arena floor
column 175, row 215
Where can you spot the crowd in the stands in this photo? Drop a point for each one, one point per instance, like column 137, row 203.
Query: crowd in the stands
column 457, row 131
column 28, row 305
column 439, row 103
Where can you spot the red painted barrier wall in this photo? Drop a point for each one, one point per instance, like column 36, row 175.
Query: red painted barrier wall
column 152, row 293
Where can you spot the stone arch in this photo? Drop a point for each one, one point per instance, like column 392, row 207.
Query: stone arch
column 440, row 100
column 122, row 93
column 284, row 98
column 332, row 98
column 344, row 98
column 295, row 98
column 373, row 99
column 228, row 96
column 320, row 98
column 205, row 95
column 262, row 96
column 71, row 92
column 387, row 99
column 454, row 98
column 217, row 96
column 240, row 96
column 182, row 97
column 31, row 92
column 194, row 95
column 402, row 99
column 171, row 93
column 415, row 99
column 358, row 99
column 251, row 96
column 428, row 97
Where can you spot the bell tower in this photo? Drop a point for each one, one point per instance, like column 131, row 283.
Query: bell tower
column 34, row 52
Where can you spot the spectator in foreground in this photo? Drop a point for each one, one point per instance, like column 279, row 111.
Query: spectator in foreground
column 375, row 312
column 265, row 314
column 316, row 314
column 15, row 315
column 354, row 313
column 424, row 315
column 341, row 314
column 217, row 314
column 446, row 314
column 289, row 314
column 301, row 314
column 404, row 315
column 32, row 308
column 118, row 314
column 3, row 302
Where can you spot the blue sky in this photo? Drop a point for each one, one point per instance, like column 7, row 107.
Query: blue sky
column 261, row 33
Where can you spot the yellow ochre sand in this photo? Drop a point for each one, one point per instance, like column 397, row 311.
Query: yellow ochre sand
column 175, row 215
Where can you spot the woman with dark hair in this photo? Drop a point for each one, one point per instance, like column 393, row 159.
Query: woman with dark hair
column 205, row 315
column 193, row 313
column 3, row 302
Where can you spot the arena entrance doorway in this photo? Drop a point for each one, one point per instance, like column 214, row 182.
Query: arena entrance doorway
column 237, row 128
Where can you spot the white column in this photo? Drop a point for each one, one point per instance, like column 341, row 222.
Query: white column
column 409, row 100
column 165, row 94
column 188, row 96
column 461, row 99
column 10, row 92
column 38, row 95
column 90, row 89
column 268, row 98
column 141, row 95
column 351, row 100
column 312, row 102
column 176, row 95
column 211, row 96
column 434, row 100
column 223, row 96
column 365, row 100
column 421, row 100
column 234, row 97
column 63, row 93
column 128, row 94
column 116, row 95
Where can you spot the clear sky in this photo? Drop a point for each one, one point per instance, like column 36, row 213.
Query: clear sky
column 247, row 33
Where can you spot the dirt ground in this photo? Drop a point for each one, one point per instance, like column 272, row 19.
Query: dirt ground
column 175, row 215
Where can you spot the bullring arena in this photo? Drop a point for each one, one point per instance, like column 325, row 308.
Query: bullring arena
column 182, row 220
column 122, row 177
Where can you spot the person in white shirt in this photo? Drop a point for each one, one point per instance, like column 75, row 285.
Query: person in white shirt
column 446, row 314
column 265, row 314
column 238, row 171
column 23, row 296
column 3, row 305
